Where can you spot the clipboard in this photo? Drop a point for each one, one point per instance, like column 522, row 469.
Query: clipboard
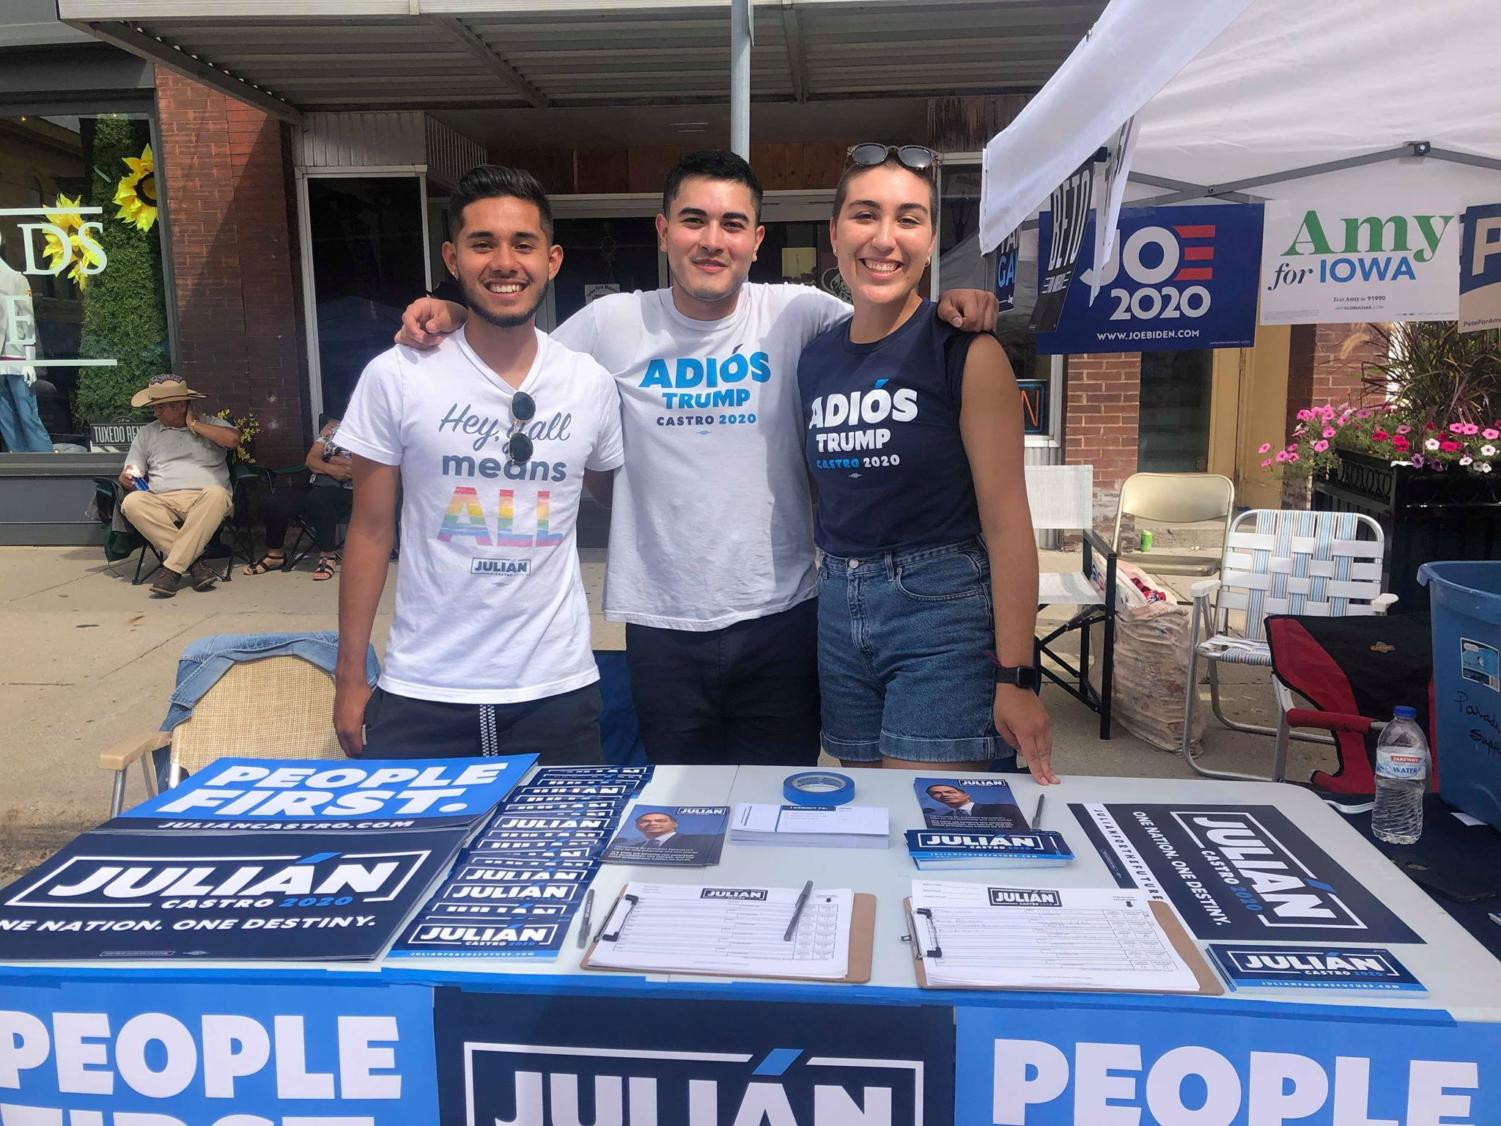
column 1208, row 981
column 862, row 946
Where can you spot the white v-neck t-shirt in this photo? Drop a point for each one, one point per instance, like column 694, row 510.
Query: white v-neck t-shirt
column 712, row 518
column 490, row 604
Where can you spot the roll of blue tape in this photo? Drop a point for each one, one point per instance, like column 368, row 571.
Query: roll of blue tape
column 818, row 788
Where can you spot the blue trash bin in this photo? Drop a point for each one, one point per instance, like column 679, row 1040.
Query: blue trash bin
column 1466, row 613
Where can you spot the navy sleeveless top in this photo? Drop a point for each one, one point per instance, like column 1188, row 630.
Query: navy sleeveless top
column 882, row 437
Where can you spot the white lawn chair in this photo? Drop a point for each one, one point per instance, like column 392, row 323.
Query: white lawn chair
column 1278, row 562
column 1062, row 499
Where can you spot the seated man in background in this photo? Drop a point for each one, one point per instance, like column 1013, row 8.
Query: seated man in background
column 324, row 504
column 177, row 482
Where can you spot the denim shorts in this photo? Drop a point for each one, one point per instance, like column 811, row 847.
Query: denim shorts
column 903, row 638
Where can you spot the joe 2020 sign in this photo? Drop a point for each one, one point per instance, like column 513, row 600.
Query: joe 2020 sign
column 1178, row 278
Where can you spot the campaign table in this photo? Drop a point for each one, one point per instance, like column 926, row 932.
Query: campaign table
column 517, row 1042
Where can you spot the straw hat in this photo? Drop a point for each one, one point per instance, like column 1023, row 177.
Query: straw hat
column 164, row 388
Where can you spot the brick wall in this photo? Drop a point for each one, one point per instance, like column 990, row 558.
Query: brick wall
column 1326, row 363
column 225, row 172
column 1100, row 425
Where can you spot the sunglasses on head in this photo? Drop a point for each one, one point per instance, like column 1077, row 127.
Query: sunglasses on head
column 518, row 446
column 914, row 158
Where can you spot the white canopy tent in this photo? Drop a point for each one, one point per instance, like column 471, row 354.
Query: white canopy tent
column 1290, row 91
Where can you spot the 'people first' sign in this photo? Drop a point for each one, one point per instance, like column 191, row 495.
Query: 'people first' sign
column 183, row 1054
column 1178, row 278
column 388, row 794
column 1176, row 1066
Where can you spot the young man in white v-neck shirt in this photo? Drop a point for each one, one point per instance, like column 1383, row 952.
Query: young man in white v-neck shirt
column 488, row 436
column 710, row 562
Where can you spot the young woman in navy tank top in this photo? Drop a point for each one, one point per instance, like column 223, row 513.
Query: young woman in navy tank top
column 928, row 584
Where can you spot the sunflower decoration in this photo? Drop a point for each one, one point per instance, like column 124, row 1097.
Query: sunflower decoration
column 69, row 248
column 136, row 192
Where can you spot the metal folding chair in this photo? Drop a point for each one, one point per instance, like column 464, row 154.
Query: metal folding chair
column 1062, row 499
column 1175, row 498
column 1325, row 564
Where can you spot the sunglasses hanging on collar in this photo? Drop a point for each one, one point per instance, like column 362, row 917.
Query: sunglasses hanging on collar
column 518, row 446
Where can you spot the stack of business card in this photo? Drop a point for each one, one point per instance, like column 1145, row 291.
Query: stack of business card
column 514, row 890
column 955, row 848
column 802, row 826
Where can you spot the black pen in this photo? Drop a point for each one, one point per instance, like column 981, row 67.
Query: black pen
column 585, row 923
column 1037, row 813
column 797, row 910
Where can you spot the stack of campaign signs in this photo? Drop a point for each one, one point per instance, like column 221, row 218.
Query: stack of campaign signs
column 257, row 860
column 514, row 891
column 975, row 823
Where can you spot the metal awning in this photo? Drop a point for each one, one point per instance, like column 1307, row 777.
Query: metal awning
column 293, row 56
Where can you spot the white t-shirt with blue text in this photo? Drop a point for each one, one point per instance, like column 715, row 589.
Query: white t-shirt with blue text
column 490, row 604
column 712, row 520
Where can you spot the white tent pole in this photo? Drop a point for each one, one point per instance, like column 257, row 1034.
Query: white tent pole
column 741, row 39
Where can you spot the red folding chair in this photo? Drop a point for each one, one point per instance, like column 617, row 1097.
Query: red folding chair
column 1353, row 672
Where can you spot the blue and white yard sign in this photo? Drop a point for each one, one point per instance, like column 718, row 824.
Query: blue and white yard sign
column 517, row 1060
column 1178, row 278
column 1186, row 1064
column 298, row 895
column 230, row 1053
column 385, row 794
column 1480, row 268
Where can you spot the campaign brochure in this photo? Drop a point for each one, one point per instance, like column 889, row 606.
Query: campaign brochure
column 305, row 895
column 956, row 848
column 1238, row 873
column 804, row 826
column 1364, row 968
column 978, row 802
column 288, row 794
column 674, row 836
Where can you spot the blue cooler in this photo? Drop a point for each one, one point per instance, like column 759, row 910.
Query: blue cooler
column 1466, row 611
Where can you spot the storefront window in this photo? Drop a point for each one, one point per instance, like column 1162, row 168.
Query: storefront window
column 1173, row 434
column 602, row 256
column 83, row 321
column 799, row 252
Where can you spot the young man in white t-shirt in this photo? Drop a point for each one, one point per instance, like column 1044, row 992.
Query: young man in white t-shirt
column 711, row 537
column 488, row 436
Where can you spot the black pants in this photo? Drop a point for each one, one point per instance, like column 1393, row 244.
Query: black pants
column 562, row 729
column 324, row 507
column 747, row 693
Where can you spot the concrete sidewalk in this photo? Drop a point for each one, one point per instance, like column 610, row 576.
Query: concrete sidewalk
column 91, row 661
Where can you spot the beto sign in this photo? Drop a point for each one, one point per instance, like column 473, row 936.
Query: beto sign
column 570, row 1060
column 1177, row 278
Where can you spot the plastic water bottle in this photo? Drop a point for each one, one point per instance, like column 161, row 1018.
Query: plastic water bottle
column 1401, row 780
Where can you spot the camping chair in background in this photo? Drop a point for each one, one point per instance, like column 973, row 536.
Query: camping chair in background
column 1354, row 671
column 1062, row 499
column 278, row 708
column 1315, row 564
column 239, row 524
column 1175, row 498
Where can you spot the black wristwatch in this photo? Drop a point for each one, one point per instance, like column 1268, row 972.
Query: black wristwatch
column 1023, row 676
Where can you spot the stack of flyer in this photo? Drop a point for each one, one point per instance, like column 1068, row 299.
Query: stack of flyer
column 975, row 823
column 802, row 826
column 515, row 889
